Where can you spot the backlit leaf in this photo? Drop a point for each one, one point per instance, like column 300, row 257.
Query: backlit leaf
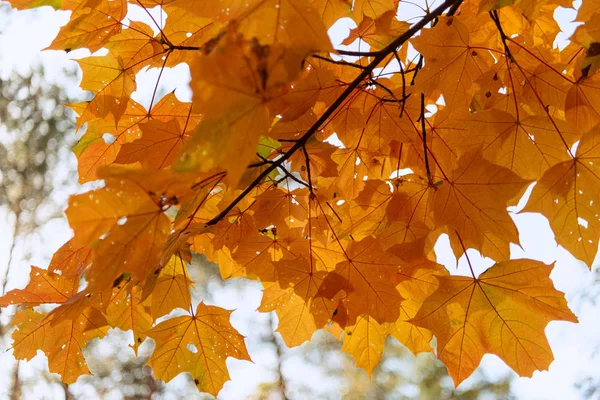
column 474, row 316
column 198, row 344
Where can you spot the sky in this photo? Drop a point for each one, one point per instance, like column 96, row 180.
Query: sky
column 22, row 37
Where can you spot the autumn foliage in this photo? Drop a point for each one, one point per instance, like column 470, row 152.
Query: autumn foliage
column 327, row 175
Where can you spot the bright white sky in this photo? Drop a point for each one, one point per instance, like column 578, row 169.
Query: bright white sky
column 24, row 34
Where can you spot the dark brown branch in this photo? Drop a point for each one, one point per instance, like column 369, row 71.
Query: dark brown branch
column 378, row 58
column 287, row 173
column 496, row 18
column 338, row 62
column 452, row 10
column 424, row 133
column 358, row 53
column 307, row 161
column 179, row 47
column 400, row 101
column 260, row 164
column 385, row 88
column 417, row 69
column 393, row 100
column 403, row 83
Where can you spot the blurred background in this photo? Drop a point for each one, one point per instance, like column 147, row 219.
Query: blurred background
column 37, row 174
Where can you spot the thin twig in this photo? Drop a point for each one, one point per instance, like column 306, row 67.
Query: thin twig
column 495, row 17
column 338, row 62
column 417, row 69
column 403, row 83
column 453, row 9
column 358, row 53
column 180, row 47
column 287, row 173
column 387, row 89
column 307, row 162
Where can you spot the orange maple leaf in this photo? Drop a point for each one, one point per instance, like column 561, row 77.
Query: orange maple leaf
column 198, row 344
column 504, row 311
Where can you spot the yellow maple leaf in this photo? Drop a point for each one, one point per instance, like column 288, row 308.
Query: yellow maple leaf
column 568, row 195
column 504, row 311
column 197, row 344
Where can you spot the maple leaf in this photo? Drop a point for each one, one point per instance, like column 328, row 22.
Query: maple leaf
column 294, row 298
column 112, row 84
column 452, row 64
column 24, row 4
column 365, row 277
column 299, row 100
column 527, row 146
column 379, row 32
column 126, row 311
column 288, row 22
column 94, row 151
column 567, row 194
column 92, row 23
column 44, row 287
column 331, row 10
column 474, row 316
column 582, row 103
column 364, row 342
column 184, row 30
column 198, row 344
column 472, row 206
column 241, row 115
column 70, row 260
column 374, row 8
column 62, row 342
column 120, row 213
column 136, row 46
column 171, row 290
column 159, row 145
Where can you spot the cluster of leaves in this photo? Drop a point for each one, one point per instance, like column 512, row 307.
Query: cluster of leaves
column 289, row 167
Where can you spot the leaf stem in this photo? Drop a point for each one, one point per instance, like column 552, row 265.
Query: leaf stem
column 466, row 254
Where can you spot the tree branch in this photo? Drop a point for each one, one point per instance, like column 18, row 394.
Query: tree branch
column 496, row 18
column 424, row 132
column 338, row 62
column 307, row 162
column 378, row 58
column 358, row 53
